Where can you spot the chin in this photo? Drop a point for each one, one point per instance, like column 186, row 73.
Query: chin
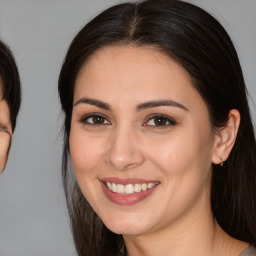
column 126, row 230
column 127, row 225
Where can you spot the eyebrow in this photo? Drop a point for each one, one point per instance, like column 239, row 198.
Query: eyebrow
column 94, row 102
column 140, row 107
column 160, row 103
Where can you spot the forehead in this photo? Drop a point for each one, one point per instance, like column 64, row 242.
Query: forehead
column 130, row 58
column 4, row 109
column 130, row 67
column 4, row 113
column 132, row 73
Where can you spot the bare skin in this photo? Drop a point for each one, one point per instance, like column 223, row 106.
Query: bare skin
column 214, row 242
column 5, row 131
column 137, row 116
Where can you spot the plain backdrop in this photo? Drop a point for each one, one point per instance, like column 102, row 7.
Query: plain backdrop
column 33, row 215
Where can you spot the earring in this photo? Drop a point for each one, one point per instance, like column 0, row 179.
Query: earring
column 221, row 164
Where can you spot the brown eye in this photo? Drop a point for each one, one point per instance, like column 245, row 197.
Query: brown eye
column 94, row 120
column 98, row 120
column 160, row 121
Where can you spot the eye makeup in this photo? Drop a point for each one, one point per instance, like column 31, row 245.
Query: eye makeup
column 159, row 121
column 94, row 119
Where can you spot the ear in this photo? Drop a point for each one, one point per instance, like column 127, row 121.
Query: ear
column 225, row 137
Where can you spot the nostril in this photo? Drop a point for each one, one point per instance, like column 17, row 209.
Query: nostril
column 130, row 166
column 124, row 162
column 123, row 152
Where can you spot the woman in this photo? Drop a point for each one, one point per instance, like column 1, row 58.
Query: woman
column 158, row 129
column 9, row 101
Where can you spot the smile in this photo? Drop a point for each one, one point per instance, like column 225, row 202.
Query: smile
column 130, row 188
column 127, row 191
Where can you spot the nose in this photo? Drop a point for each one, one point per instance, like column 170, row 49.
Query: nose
column 124, row 152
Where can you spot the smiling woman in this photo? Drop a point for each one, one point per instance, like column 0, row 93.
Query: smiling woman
column 159, row 132
column 9, row 101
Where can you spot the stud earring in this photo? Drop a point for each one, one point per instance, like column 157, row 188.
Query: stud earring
column 221, row 164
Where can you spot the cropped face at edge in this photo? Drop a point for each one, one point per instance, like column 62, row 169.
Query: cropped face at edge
column 5, row 131
column 141, row 142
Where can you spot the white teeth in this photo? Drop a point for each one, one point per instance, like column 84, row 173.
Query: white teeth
column 129, row 189
column 120, row 189
column 144, row 186
column 113, row 187
column 151, row 185
column 137, row 188
column 109, row 185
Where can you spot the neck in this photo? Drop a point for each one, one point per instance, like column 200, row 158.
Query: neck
column 199, row 234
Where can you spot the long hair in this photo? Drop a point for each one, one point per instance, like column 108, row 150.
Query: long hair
column 199, row 43
column 10, row 89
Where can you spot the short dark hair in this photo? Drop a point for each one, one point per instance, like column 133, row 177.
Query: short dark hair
column 199, row 43
column 11, row 91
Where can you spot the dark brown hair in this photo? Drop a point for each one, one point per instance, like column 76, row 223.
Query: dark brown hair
column 201, row 45
column 11, row 91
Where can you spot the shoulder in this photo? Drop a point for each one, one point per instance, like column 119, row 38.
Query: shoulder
column 249, row 251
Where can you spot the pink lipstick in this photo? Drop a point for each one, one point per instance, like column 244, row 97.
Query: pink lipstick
column 127, row 191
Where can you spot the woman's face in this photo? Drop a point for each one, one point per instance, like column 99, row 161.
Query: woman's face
column 141, row 141
column 5, row 131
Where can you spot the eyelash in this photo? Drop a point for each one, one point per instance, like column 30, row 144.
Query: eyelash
column 85, row 119
column 4, row 130
column 168, row 121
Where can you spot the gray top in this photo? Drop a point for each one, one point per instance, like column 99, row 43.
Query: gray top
column 249, row 251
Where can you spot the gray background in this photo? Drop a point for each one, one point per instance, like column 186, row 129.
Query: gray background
column 33, row 215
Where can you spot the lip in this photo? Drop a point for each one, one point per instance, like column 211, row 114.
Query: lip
column 126, row 199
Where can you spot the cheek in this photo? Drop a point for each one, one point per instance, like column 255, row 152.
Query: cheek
column 5, row 141
column 182, row 153
column 184, row 165
column 85, row 151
